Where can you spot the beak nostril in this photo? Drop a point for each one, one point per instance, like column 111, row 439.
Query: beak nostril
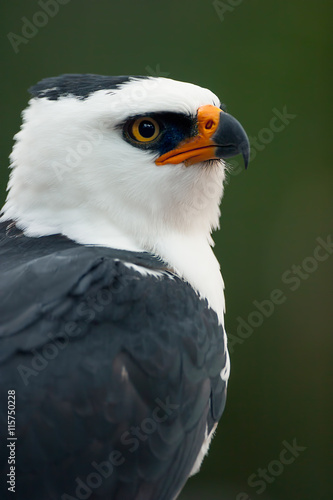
column 209, row 124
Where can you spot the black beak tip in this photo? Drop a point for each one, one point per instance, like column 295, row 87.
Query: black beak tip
column 232, row 139
column 246, row 153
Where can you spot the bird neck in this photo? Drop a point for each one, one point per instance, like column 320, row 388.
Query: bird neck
column 189, row 254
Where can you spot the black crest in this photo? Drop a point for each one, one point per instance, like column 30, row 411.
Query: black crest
column 80, row 86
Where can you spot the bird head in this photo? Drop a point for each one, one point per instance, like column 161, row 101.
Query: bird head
column 121, row 160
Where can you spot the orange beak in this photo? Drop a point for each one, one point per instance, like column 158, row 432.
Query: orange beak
column 219, row 136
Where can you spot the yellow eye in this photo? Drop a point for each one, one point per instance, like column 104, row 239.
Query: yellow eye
column 145, row 129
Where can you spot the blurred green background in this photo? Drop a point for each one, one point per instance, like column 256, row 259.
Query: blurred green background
column 261, row 57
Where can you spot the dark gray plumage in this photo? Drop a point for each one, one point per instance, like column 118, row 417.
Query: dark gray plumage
column 121, row 351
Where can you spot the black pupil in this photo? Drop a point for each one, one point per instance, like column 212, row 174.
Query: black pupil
column 147, row 129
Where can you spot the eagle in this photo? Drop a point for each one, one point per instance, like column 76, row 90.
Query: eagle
column 113, row 351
